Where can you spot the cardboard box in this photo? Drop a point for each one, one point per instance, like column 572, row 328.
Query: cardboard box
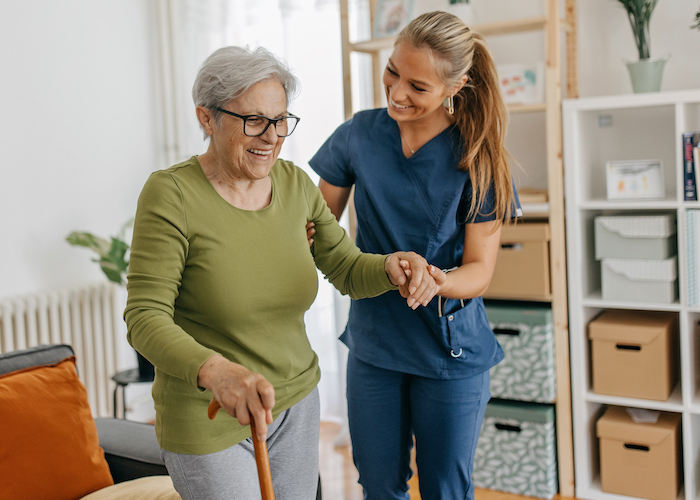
column 517, row 450
column 522, row 266
column 526, row 334
column 640, row 280
column 635, row 354
column 635, row 237
column 640, row 460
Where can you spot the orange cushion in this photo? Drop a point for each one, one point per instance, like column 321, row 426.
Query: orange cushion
column 48, row 440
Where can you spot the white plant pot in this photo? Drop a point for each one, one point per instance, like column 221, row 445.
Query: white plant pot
column 646, row 74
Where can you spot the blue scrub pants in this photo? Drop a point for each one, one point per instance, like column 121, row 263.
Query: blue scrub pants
column 387, row 408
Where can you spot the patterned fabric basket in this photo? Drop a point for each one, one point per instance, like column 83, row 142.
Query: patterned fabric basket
column 517, row 450
column 526, row 334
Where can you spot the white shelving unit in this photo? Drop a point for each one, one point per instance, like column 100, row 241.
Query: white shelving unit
column 626, row 127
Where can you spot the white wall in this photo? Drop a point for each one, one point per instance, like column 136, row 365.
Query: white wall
column 78, row 98
column 606, row 42
column 77, row 132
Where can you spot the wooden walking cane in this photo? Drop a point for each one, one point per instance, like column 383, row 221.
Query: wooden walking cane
column 262, row 460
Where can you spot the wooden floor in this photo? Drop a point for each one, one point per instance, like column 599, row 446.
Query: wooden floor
column 339, row 476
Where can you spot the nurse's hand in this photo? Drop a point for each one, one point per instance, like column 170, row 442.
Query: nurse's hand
column 439, row 277
column 241, row 393
column 417, row 286
column 310, row 231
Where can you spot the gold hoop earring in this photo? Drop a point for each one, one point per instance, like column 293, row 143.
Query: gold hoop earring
column 450, row 105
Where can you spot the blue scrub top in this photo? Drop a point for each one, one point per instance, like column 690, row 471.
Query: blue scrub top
column 417, row 204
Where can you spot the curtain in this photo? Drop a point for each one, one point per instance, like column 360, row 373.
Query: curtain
column 306, row 34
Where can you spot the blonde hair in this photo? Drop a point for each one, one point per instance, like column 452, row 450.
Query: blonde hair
column 480, row 113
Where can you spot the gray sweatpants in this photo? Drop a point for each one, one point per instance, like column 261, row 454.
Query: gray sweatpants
column 292, row 441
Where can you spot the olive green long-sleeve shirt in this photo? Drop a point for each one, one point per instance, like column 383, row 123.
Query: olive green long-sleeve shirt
column 208, row 278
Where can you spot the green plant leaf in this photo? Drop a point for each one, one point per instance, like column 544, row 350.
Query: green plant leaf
column 112, row 253
column 88, row 240
column 639, row 14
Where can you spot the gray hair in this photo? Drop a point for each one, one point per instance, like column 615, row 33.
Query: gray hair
column 230, row 71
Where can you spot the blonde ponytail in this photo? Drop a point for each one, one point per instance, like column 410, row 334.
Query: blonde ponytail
column 482, row 119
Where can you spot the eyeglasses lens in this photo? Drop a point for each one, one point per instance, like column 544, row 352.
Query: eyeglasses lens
column 256, row 125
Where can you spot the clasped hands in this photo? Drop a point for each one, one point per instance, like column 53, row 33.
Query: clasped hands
column 417, row 280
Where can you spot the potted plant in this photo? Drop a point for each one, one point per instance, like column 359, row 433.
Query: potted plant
column 114, row 262
column 645, row 73
column 697, row 21
column 112, row 254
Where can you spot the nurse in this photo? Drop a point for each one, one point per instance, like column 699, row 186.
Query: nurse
column 431, row 175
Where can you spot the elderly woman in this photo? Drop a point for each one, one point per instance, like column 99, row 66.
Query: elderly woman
column 219, row 279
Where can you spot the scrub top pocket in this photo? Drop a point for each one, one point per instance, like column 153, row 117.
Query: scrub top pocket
column 462, row 328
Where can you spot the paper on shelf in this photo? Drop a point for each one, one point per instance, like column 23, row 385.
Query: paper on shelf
column 642, row 416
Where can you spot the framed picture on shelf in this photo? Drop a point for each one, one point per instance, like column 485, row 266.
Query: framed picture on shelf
column 391, row 16
column 630, row 179
column 521, row 83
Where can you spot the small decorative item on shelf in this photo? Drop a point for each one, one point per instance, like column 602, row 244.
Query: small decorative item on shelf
column 522, row 83
column 645, row 73
column 635, row 179
column 391, row 16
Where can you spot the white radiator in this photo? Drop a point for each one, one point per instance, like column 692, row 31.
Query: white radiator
column 88, row 318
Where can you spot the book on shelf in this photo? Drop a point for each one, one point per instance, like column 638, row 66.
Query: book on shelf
column 692, row 225
column 696, row 165
column 690, row 166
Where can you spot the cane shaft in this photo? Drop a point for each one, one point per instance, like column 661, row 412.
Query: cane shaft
column 262, row 460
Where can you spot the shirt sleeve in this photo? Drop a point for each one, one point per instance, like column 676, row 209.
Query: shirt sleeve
column 158, row 255
column 354, row 273
column 332, row 161
column 487, row 212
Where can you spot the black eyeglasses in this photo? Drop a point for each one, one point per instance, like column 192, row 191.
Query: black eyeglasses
column 257, row 125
